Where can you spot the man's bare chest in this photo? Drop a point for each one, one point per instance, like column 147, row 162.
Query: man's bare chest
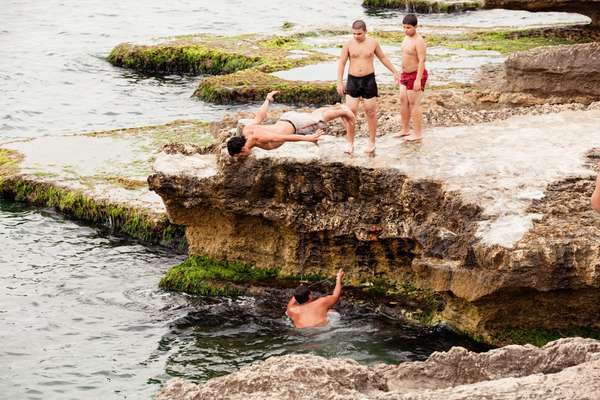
column 361, row 51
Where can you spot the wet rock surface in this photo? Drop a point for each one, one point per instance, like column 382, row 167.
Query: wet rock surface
column 100, row 177
column 567, row 368
column 508, row 239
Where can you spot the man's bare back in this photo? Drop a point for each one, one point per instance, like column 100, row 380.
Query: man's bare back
column 306, row 312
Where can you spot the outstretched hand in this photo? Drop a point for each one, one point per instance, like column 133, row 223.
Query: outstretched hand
column 315, row 137
column 340, row 275
column 270, row 95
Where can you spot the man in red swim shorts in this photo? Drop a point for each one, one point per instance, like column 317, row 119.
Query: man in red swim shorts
column 413, row 79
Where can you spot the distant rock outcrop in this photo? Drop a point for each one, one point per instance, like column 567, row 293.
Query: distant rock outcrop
column 556, row 70
column 591, row 8
column 565, row 369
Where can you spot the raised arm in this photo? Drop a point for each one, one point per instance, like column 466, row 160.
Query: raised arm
column 385, row 61
column 261, row 114
column 340, row 72
column 329, row 301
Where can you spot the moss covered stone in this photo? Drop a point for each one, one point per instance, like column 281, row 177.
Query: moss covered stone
column 253, row 85
column 9, row 162
column 425, row 6
column 216, row 55
column 119, row 218
column 205, row 276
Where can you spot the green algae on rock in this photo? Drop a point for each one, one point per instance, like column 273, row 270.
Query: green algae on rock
column 206, row 276
column 425, row 6
column 99, row 177
column 216, row 55
column 134, row 222
column 253, row 85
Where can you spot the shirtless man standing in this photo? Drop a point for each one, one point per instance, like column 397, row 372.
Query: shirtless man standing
column 307, row 312
column 412, row 79
column 360, row 50
column 292, row 126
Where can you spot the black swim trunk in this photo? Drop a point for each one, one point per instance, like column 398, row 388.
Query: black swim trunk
column 362, row 86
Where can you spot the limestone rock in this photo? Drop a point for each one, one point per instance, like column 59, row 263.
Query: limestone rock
column 591, row 8
column 568, row 368
column 508, row 239
column 560, row 70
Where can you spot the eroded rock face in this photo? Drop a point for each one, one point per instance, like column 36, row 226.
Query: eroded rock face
column 559, row 70
column 567, row 368
column 591, row 8
column 508, row 239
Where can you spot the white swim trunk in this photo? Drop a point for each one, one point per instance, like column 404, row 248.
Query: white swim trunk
column 304, row 123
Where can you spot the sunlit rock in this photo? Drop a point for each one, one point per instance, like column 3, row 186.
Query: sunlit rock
column 568, row 368
column 494, row 217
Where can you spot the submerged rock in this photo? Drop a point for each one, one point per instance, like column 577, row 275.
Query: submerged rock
column 506, row 237
column 567, row 368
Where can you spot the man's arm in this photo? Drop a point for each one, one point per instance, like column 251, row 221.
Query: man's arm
column 329, row 301
column 278, row 137
column 292, row 302
column 261, row 114
column 385, row 61
column 421, row 55
column 340, row 72
column 596, row 194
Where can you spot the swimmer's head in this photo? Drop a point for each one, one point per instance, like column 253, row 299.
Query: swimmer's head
column 302, row 294
column 235, row 145
column 359, row 30
column 409, row 24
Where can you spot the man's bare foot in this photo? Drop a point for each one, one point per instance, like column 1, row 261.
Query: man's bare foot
column 413, row 137
column 349, row 148
column 370, row 148
column 401, row 134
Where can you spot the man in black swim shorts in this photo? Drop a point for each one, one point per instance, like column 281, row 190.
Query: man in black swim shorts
column 361, row 84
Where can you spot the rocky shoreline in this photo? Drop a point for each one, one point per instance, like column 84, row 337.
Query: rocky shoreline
column 567, row 368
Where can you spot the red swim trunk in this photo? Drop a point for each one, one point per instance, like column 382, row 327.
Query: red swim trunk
column 408, row 79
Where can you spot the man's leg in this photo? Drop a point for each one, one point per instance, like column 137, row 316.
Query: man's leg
column 352, row 103
column 371, row 111
column 341, row 111
column 404, row 112
column 414, row 104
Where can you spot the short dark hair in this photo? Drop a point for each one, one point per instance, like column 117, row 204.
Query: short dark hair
column 302, row 294
column 410, row 19
column 235, row 145
column 359, row 24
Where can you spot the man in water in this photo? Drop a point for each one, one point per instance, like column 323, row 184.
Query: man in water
column 361, row 84
column 292, row 126
column 412, row 79
column 308, row 312
column 596, row 194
